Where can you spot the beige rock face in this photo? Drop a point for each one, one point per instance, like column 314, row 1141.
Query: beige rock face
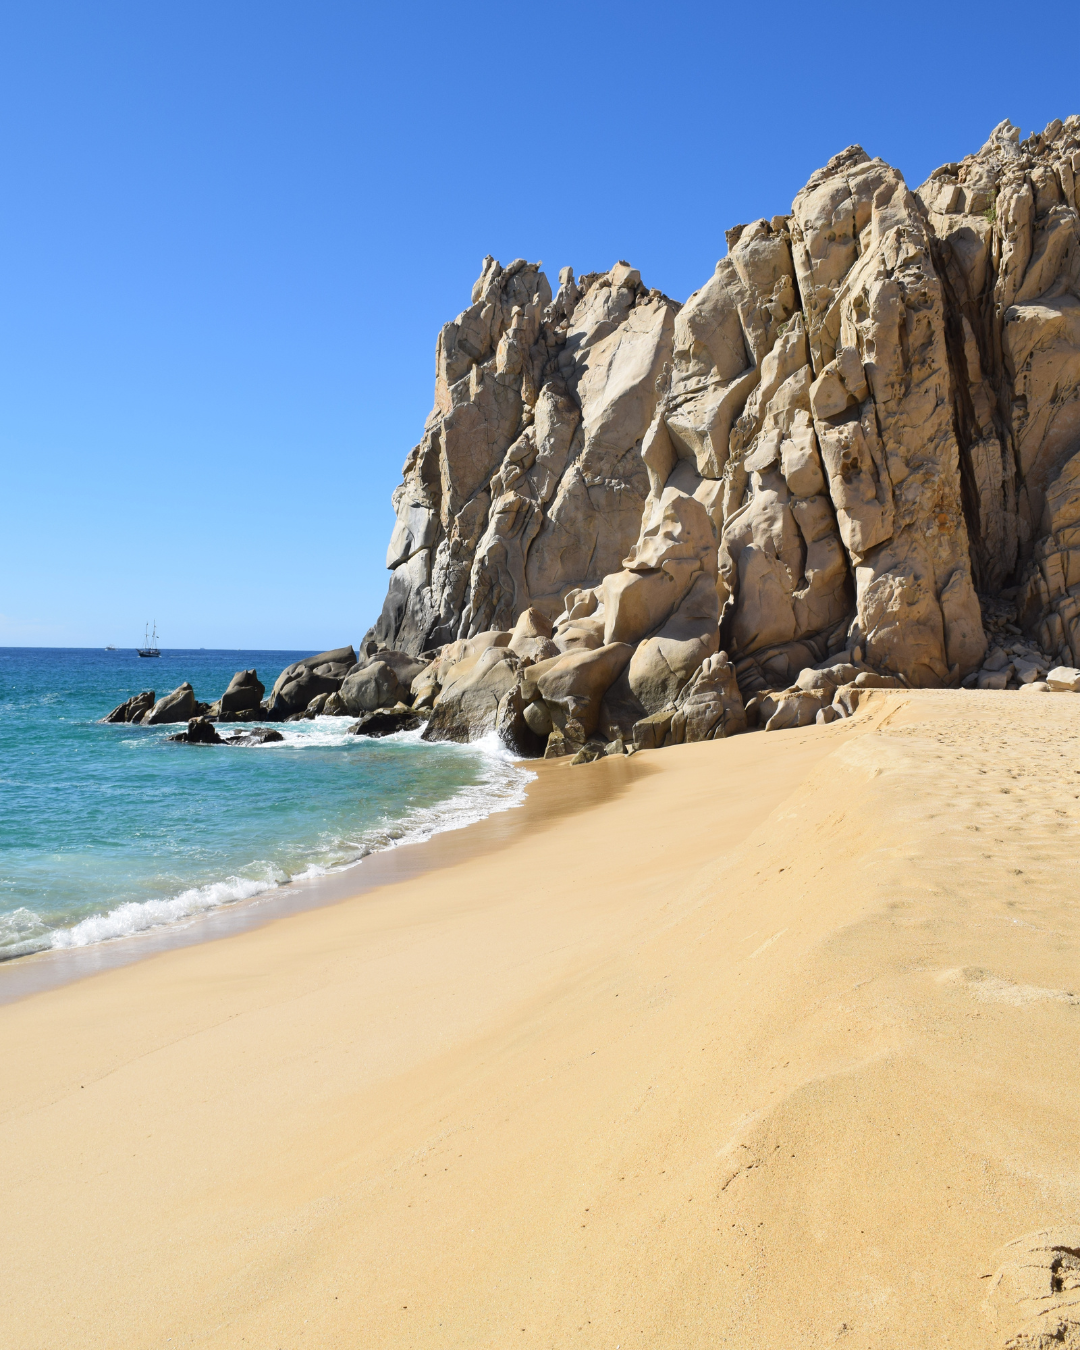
column 881, row 404
column 528, row 481
column 1007, row 229
column 869, row 413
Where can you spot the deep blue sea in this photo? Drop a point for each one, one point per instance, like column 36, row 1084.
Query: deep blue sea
column 106, row 831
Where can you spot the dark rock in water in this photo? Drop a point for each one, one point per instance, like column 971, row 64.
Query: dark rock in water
column 133, row 709
column 179, row 706
column 245, row 692
column 199, row 732
column 385, row 723
column 256, row 736
column 299, row 683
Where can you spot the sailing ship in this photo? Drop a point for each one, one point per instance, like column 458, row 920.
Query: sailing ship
column 150, row 647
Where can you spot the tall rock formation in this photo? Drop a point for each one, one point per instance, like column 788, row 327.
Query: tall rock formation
column 1007, row 238
column 866, row 418
column 528, row 481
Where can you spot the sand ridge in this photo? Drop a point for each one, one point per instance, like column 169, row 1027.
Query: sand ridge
column 774, row 1047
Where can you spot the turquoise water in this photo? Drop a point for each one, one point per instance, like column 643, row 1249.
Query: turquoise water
column 106, row 831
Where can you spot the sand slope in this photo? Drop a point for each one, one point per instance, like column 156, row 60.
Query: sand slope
column 773, row 1045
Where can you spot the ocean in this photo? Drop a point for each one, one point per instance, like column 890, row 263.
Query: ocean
column 107, row 831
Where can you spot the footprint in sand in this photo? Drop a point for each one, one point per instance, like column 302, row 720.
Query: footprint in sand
column 1034, row 1296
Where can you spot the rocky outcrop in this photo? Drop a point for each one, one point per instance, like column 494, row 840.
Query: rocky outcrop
column 848, row 454
column 133, row 709
column 1009, row 245
column 179, row 706
column 377, row 682
column 244, row 694
column 200, row 731
column 299, row 683
column 528, row 481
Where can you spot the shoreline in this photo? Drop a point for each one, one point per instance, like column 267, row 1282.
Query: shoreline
column 755, row 1042
column 23, row 976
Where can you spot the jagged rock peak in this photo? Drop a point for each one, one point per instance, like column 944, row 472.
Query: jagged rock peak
column 527, row 482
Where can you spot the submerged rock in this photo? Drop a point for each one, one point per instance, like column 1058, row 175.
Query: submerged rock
column 256, row 736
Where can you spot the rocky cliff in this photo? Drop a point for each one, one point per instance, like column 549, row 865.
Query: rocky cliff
column 866, row 419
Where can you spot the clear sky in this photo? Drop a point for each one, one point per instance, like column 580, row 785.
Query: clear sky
column 231, row 231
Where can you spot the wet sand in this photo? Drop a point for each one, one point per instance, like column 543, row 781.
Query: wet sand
column 763, row 1043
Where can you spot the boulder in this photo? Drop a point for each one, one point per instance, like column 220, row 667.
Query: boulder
column 994, row 679
column 846, row 700
column 299, row 683
column 385, row 723
column 620, row 710
column 797, row 708
column 133, row 709
column 710, row 706
column 295, row 693
column 468, row 706
column 663, row 664
column 179, row 706
column 407, row 668
column 245, row 692
column 557, row 745
column 522, row 727
column 248, row 715
column 653, row 731
column 424, row 689
column 573, row 685
column 375, row 685
column 1064, row 678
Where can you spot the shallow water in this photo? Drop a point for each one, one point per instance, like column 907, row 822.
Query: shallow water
column 107, row 831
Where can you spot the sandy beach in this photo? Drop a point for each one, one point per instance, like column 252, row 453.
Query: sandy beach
column 762, row 1043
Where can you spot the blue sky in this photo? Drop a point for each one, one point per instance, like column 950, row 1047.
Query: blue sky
column 232, row 231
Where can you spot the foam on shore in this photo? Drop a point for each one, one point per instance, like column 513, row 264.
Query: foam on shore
column 501, row 787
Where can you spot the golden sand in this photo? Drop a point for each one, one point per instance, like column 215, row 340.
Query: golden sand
column 763, row 1043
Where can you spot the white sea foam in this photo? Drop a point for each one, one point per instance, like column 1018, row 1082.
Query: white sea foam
column 136, row 916
column 501, row 787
